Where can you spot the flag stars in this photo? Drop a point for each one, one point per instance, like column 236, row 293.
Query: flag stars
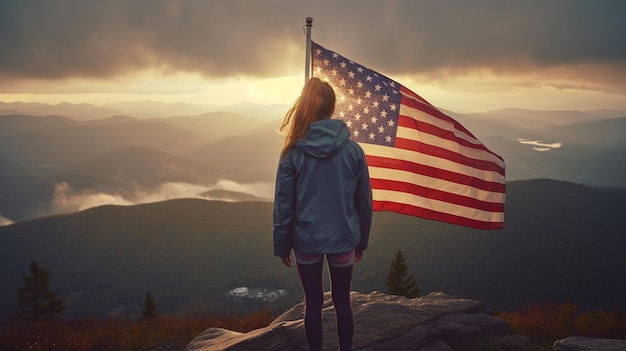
column 367, row 102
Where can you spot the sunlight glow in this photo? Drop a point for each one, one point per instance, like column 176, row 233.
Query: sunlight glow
column 464, row 93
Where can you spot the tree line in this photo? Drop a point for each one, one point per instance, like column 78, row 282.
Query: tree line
column 36, row 302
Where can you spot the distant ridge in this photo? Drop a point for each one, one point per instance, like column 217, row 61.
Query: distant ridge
column 562, row 242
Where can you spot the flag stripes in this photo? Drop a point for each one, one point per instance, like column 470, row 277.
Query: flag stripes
column 421, row 161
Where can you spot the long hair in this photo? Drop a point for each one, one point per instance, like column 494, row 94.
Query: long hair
column 316, row 103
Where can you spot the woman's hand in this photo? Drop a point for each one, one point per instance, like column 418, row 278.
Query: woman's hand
column 358, row 254
column 287, row 261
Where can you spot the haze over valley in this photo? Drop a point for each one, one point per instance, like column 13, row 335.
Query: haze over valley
column 51, row 164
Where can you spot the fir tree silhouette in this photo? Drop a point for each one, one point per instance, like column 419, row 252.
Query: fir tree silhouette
column 36, row 301
column 149, row 308
column 399, row 282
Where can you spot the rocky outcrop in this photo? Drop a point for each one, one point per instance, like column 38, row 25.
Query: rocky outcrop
column 580, row 343
column 436, row 322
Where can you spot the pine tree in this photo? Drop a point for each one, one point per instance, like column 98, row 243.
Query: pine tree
column 36, row 301
column 398, row 281
column 149, row 308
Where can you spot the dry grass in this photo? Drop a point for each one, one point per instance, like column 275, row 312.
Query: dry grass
column 97, row 335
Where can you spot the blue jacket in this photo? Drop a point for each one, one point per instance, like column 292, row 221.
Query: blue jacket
column 323, row 197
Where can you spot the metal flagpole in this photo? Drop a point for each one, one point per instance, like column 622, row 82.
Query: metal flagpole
column 307, row 65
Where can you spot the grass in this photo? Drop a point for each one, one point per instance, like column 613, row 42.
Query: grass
column 122, row 335
column 542, row 323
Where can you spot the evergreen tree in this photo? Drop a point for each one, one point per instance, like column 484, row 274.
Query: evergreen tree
column 398, row 281
column 149, row 308
column 36, row 301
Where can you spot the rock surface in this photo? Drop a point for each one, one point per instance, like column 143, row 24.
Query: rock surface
column 436, row 322
column 580, row 343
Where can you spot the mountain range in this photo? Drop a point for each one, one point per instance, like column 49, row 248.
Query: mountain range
column 114, row 200
column 127, row 156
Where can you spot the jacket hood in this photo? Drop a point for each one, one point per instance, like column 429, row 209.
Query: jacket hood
column 325, row 138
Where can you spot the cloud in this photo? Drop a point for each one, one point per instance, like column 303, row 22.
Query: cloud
column 73, row 38
column 67, row 200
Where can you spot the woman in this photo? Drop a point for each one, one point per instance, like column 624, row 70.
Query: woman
column 322, row 207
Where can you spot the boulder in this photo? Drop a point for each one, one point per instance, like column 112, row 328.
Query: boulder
column 436, row 322
column 581, row 343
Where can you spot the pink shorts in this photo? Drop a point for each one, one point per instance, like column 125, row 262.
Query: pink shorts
column 344, row 259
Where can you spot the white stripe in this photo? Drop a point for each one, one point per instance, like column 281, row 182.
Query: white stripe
column 432, row 161
column 477, row 154
column 436, row 183
column 437, row 205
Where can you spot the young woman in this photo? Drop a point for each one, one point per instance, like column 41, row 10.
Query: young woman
column 322, row 207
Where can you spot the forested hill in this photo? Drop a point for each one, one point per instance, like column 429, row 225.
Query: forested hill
column 563, row 242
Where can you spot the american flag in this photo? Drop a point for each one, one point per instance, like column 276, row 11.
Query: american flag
column 421, row 162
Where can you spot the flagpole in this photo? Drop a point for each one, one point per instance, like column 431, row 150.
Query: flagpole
column 307, row 64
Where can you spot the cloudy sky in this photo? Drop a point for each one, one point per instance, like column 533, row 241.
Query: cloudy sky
column 461, row 55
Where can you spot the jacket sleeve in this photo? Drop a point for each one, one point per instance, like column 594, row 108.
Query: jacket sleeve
column 363, row 200
column 284, row 207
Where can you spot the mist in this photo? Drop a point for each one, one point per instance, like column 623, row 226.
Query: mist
column 67, row 199
column 5, row 221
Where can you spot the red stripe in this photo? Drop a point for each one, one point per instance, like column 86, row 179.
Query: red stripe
column 386, row 184
column 423, row 127
column 384, row 162
column 434, row 215
column 436, row 151
column 406, row 91
column 431, row 110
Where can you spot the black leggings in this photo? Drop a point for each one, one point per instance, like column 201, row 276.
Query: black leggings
column 341, row 282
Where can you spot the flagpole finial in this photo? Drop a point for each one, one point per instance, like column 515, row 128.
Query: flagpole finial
column 309, row 21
